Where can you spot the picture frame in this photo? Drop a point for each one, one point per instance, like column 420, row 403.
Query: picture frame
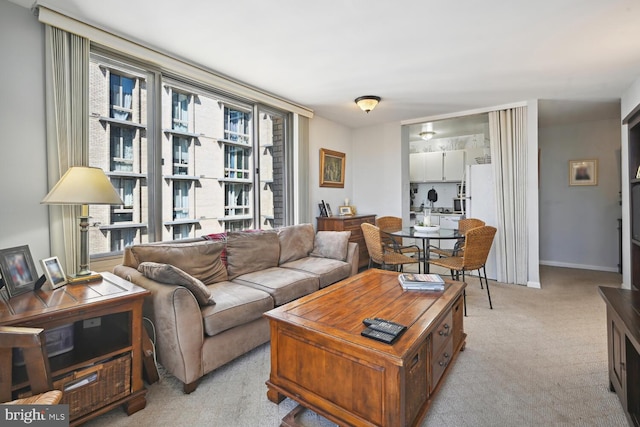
column 328, row 207
column 345, row 210
column 54, row 272
column 332, row 167
column 583, row 172
column 18, row 270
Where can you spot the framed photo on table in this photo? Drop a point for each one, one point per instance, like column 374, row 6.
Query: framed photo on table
column 18, row 270
column 53, row 272
column 583, row 172
column 332, row 165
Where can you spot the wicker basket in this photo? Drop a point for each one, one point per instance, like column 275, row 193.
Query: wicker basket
column 89, row 389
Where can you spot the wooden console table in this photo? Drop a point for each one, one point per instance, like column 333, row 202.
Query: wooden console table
column 107, row 346
column 623, row 341
column 320, row 360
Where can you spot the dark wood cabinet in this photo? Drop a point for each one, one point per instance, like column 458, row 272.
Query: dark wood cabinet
column 350, row 223
column 633, row 123
column 623, row 341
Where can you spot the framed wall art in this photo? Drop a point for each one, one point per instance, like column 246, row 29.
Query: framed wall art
column 583, row 172
column 54, row 272
column 18, row 270
column 332, row 165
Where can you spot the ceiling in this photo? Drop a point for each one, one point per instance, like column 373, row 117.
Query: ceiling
column 423, row 57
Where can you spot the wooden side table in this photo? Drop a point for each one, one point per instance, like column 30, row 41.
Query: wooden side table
column 107, row 354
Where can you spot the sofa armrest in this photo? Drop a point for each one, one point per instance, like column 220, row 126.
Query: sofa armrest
column 177, row 319
column 353, row 257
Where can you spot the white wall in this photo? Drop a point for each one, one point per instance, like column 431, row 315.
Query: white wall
column 326, row 134
column 579, row 225
column 381, row 174
column 23, row 174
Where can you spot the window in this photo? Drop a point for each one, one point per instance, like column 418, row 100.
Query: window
column 236, row 162
column 187, row 159
column 121, row 239
column 180, row 103
column 180, row 156
column 121, row 97
column 237, row 125
column 121, row 149
column 180, row 199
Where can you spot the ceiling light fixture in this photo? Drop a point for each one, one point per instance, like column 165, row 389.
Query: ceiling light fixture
column 367, row 102
column 427, row 135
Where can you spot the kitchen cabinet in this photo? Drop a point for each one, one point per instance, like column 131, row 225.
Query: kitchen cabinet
column 438, row 166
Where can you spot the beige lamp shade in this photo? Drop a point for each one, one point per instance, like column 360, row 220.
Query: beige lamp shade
column 83, row 185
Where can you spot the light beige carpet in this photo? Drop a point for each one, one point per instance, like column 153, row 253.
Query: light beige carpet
column 539, row 358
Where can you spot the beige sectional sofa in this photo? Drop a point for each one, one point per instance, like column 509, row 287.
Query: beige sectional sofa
column 208, row 296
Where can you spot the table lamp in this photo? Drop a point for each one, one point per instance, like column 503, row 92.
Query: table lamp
column 83, row 185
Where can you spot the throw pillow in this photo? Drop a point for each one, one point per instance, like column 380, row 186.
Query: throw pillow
column 167, row 273
column 251, row 251
column 199, row 259
column 331, row 244
column 296, row 241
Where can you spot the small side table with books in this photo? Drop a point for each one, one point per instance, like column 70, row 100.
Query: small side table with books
column 102, row 369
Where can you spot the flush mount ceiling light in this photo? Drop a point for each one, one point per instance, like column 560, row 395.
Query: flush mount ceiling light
column 367, row 102
column 427, row 135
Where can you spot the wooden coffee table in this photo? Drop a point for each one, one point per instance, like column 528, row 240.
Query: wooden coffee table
column 320, row 360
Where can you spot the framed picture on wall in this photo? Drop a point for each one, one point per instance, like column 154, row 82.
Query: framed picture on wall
column 583, row 172
column 332, row 165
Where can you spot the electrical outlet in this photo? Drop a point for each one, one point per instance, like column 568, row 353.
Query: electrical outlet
column 91, row 323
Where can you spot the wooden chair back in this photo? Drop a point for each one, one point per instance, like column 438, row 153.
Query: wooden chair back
column 32, row 343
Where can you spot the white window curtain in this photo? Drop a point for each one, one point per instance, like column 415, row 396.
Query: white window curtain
column 508, row 136
column 66, row 75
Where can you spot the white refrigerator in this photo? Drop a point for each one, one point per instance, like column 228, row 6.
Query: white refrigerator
column 481, row 204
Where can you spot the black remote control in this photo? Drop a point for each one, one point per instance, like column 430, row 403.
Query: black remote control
column 378, row 335
column 384, row 326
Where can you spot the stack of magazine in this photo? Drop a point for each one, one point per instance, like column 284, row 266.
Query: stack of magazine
column 421, row 282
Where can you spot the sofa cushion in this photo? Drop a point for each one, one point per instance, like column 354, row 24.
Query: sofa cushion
column 331, row 244
column 251, row 251
column 166, row 273
column 282, row 284
column 235, row 305
column 219, row 237
column 199, row 259
column 328, row 270
column 296, row 241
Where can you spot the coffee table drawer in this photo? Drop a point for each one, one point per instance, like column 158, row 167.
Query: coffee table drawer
column 442, row 333
column 440, row 363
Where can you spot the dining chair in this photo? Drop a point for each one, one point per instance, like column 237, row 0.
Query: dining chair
column 32, row 343
column 477, row 245
column 385, row 254
column 464, row 225
column 394, row 223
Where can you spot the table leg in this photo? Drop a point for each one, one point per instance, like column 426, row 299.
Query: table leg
column 425, row 252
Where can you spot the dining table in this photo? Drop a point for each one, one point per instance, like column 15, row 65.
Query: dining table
column 426, row 237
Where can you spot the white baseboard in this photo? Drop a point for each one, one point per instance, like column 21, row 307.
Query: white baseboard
column 579, row 266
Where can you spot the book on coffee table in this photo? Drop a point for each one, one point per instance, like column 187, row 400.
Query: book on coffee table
column 423, row 282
